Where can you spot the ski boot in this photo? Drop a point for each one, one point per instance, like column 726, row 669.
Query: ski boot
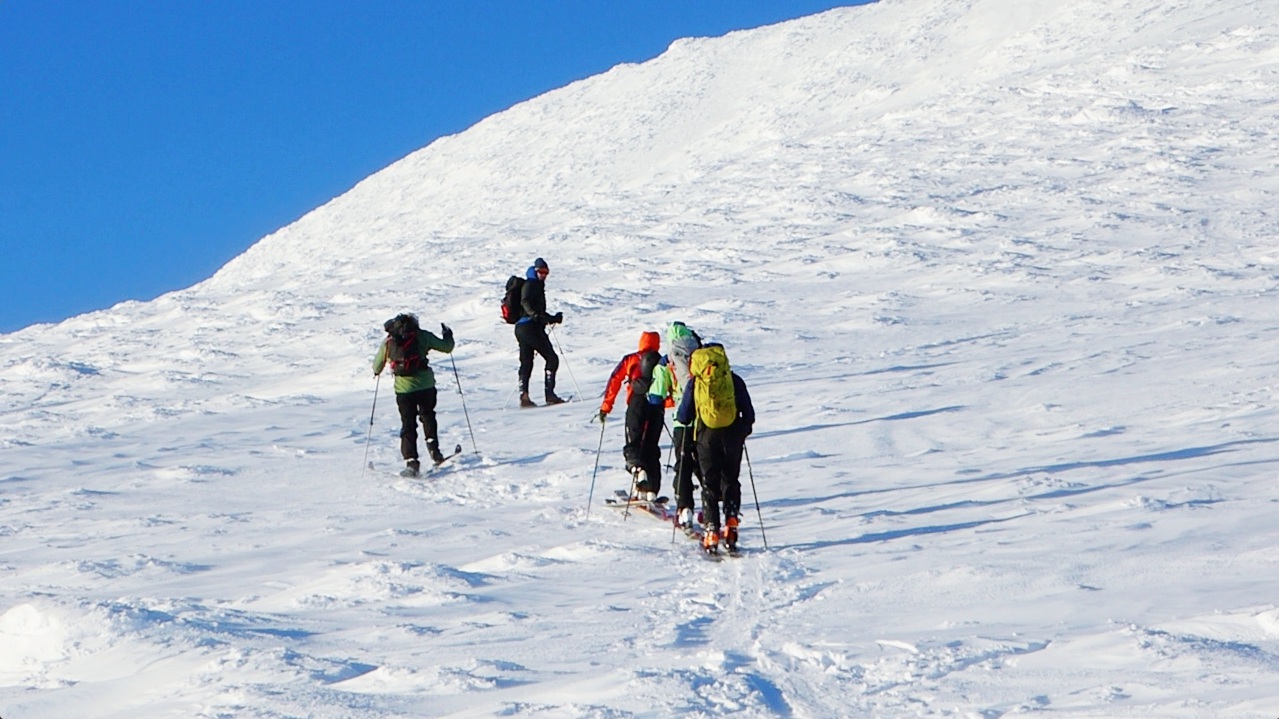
column 730, row 534
column 525, row 401
column 413, row 468
column 551, row 397
column 434, row 449
column 710, row 540
column 685, row 520
column 640, row 483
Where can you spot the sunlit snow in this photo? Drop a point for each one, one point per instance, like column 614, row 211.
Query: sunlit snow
column 1002, row 278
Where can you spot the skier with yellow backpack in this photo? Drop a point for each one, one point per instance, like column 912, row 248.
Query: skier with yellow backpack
column 718, row 405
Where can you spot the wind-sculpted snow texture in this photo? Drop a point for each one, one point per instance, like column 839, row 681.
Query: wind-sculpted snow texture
column 1001, row 277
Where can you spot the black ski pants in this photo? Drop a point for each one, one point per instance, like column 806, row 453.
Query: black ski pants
column 719, row 453
column 643, row 439
column 685, row 466
column 532, row 338
column 414, row 407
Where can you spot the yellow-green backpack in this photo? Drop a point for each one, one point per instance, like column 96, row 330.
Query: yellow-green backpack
column 713, row 392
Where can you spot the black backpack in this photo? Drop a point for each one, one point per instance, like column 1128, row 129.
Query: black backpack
column 512, row 308
column 402, row 348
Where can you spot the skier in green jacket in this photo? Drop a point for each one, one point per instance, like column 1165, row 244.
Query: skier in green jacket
column 405, row 349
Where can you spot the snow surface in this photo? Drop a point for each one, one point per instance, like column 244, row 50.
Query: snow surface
column 1001, row 277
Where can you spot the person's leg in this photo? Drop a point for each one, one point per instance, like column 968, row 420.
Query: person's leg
column 526, row 361
column 430, row 430
column 542, row 345
column 408, row 425
column 632, row 445
column 681, row 437
column 732, row 487
column 651, row 448
column 712, row 478
column 685, row 463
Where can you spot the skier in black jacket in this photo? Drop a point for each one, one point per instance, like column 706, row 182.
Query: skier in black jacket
column 530, row 332
column 719, row 448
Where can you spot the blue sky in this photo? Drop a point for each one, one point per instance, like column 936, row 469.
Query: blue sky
column 145, row 143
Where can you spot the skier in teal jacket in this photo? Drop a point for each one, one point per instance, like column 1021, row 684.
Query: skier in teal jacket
column 668, row 387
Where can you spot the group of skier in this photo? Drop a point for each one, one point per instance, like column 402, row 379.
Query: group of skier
column 713, row 410
column 713, row 418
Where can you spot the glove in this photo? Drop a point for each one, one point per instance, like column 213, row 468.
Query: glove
column 603, row 416
column 448, row 331
column 557, row 318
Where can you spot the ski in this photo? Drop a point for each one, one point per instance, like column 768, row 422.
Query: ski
column 435, row 466
column 457, row 449
column 567, row 400
column 655, row 509
column 658, row 510
column 626, row 496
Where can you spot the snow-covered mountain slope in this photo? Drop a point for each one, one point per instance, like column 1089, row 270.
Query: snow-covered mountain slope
column 1000, row 277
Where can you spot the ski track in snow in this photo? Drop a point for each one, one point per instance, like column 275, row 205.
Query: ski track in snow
column 1000, row 279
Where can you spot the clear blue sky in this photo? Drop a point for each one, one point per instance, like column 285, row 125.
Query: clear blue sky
column 144, row 143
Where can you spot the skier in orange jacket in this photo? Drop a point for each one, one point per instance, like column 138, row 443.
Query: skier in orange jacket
column 644, row 419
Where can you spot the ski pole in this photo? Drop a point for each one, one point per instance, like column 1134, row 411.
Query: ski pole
column 464, row 412
column 591, row 497
column 670, row 452
column 626, row 513
column 369, row 439
column 751, row 472
column 570, row 369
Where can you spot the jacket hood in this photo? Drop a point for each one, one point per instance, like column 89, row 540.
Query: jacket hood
column 650, row 341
